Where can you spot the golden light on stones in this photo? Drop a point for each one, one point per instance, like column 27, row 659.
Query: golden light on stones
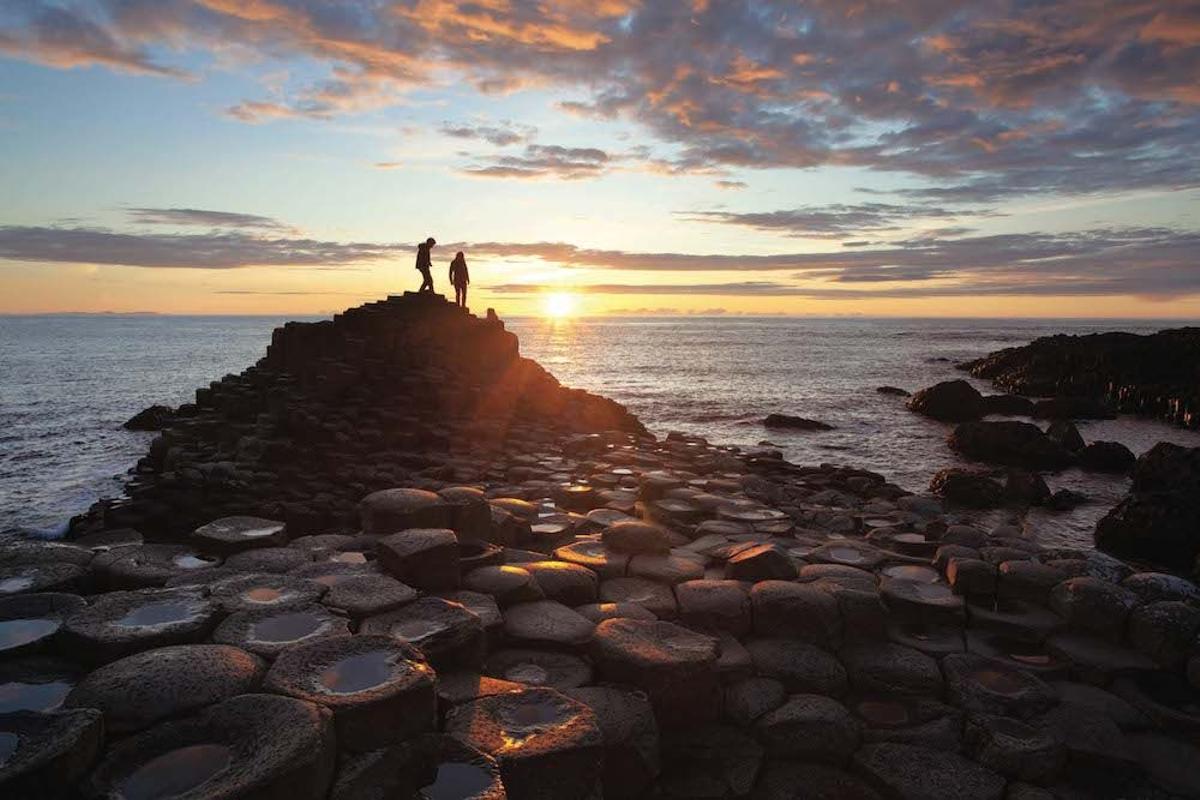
column 558, row 305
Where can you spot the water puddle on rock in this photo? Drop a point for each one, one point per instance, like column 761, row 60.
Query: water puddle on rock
column 8, row 746
column 848, row 555
column 288, row 627
column 359, row 673
column 456, row 781
column 263, row 594
column 161, row 613
column 16, row 584
column 414, row 630
column 176, row 772
column 16, row 632
column 527, row 673
column 193, row 561
column 913, row 572
column 22, row 696
column 522, row 720
column 349, row 557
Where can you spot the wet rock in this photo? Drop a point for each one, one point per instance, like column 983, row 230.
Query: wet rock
column 153, row 418
column 971, row 576
column 229, row 535
column 470, row 513
column 331, row 573
column 1107, row 457
column 922, row 601
column 893, row 390
column 988, row 686
column 917, row 773
column 887, row 668
column 424, row 558
column 714, row 605
column 449, row 635
column 569, row 584
column 1066, row 434
column 538, row 668
column 786, row 609
column 598, row 612
column 1014, row 749
column 1166, row 631
column 119, row 624
column 809, row 727
column 1024, row 654
column 143, row 689
column 634, row 536
column 676, row 567
column 1007, row 405
column 392, row 510
column 506, row 584
column 749, row 699
column 17, row 578
column 1017, row 618
column 932, row 640
column 547, row 745
column 651, row 595
column 380, row 690
column 798, row 666
column 36, row 683
column 789, row 422
column 1095, row 659
column 596, row 556
column 631, row 746
column 1093, row 605
column 366, row 595
column 32, row 623
column 45, row 755
column 546, row 622
column 1151, row 587
column 1159, row 519
column 1024, row 488
column 969, row 488
column 948, row 401
column 251, row 592
column 270, row 631
column 473, row 554
column 780, row 781
column 845, row 553
column 709, row 761
column 1027, row 580
column 676, row 667
column 429, row 766
column 917, row 721
column 148, row 565
column 760, row 562
column 278, row 560
column 1016, row 444
column 231, row 749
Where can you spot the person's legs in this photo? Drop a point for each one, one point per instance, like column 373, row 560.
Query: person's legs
column 426, row 281
column 457, row 295
column 464, row 296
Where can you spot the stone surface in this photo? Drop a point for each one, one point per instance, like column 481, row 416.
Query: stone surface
column 917, row 773
column 809, row 727
column 447, row 633
column 119, row 624
column 424, row 558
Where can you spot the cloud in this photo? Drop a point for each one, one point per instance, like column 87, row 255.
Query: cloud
column 388, row 164
column 195, row 216
column 501, row 134
column 980, row 101
column 724, row 184
column 832, row 221
column 545, row 161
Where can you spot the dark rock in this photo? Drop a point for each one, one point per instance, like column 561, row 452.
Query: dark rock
column 154, row 418
column 449, row 635
column 1073, row 408
column 1007, row 405
column 1014, row 749
column 635, row 536
column 45, row 755
column 119, row 624
column 1165, row 630
column 760, row 562
column 546, row 622
column 569, row 584
column 749, row 699
column 1107, row 457
column 809, row 727
column 366, row 595
column 1026, row 488
column 989, row 686
column 232, row 534
column 886, row 668
column 781, row 780
column 631, row 746
column 893, row 390
column 784, row 608
column 1018, row 444
column 949, row 401
column 917, row 773
column 709, row 761
column 560, row 671
column 32, row 623
column 253, row 592
column 714, row 605
column 1093, row 605
column 789, row 422
column 1066, row 434
column 799, row 667
column 966, row 487
column 393, row 510
column 424, row 558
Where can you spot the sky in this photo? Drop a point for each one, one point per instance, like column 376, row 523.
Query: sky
column 875, row 157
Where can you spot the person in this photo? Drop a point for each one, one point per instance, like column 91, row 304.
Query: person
column 425, row 263
column 459, row 279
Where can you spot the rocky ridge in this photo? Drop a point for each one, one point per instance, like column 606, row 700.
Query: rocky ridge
column 393, row 560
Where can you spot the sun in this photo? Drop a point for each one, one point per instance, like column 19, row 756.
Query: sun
column 558, row 305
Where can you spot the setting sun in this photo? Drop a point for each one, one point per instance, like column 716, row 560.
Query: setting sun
column 558, row 305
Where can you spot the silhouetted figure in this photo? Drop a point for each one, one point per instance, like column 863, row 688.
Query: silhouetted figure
column 459, row 278
column 425, row 263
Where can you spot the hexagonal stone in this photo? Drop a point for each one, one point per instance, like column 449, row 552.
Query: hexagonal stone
column 31, row 623
column 760, row 562
column 921, row 601
column 917, row 773
column 932, row 640
column 709, row 761
column 748, row 699
column 36, row 683
column 265, row 590
column 18, row 578
column 233, row 534
column 809, row 727
column 971, row 576
column 1094, row 659
column 139, row 690
column 848, row 553
column 148, row 565
column 676, row 567
column 1165, row 631
column 538, row 668
column 1027, row 580
column 676, row 667
column 548, row 745
column 919, row 721
column 783, row 608
column 569, row 584
column 429, row 766
column 714, row 605
column 654, row 596
column 546, row 622
column 1151, row 587
column 482, row 606
column 989, row 686
column 365, row 595
column 470, row 514
column 231, row 749
column 424, row 558
column 450, row 636
column 1026, row 655
column 1165, row 697
column 886, row 668
column 277, row 560
column 268, row 632
column 635, row 536
column 598, row 612
column 1093, row 605
column 630, row 734
column 1014, row 749
column 45, row 755
column 380, row 690
column 779, row 781
column 801, row 667
column 506, row 584
column 123, row 623
column 392, row 510
column 596, row 556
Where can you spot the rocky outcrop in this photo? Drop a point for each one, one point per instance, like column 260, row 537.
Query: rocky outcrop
column 1089, row 376
column 790, row 422
column 1012, row 443
column 154, row 418
column 949, row 401
column 1159, row 521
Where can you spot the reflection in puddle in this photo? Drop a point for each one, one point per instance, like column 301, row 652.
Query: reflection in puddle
column 848, row 554
column 193, row 561
column 16, row 584
column 16, row 632
column 359, row 673
column 288, row 627
column 176, row 772
column 21, row 696
column 263, row 594
column 912, row 572
column 456, row 781
column 349, row 557
column 528, row 717
column 161, row 613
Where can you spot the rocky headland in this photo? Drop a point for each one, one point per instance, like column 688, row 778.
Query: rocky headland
column 395, row 559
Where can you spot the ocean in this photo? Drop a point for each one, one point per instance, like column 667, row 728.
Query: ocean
column 67, row 382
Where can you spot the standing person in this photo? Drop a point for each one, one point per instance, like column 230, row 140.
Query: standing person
column 425, row 263
column 459, row 278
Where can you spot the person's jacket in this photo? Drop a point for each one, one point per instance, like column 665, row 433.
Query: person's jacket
column 459, row 274
column 423, row 261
